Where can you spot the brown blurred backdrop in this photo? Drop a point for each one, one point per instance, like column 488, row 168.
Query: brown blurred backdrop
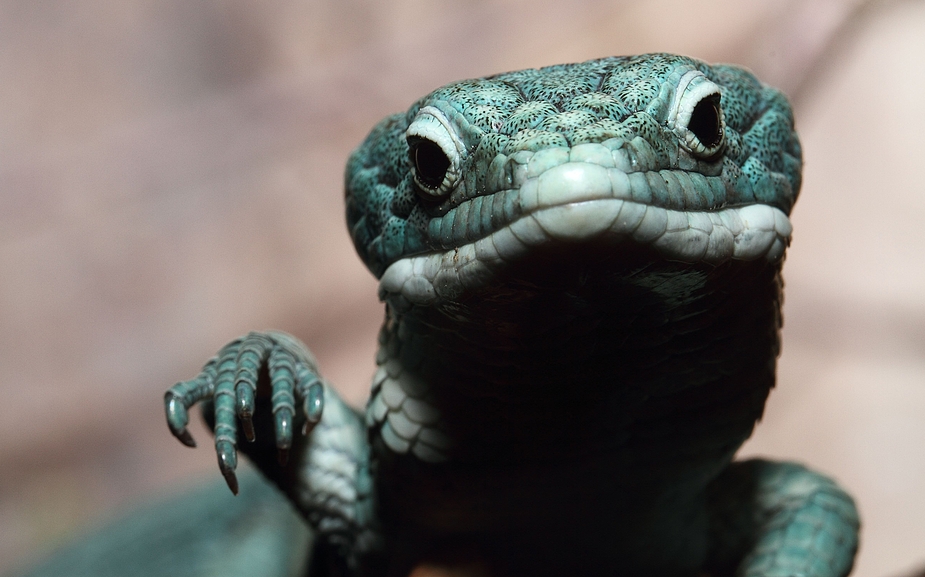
column 170, row 177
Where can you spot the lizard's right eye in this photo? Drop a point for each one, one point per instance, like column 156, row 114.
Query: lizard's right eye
column 696, row 116
column 435, row 152
column 706, row 122
column 430, row 162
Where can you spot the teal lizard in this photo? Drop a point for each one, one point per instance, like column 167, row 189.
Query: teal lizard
column 580, row 266
column 581, row 271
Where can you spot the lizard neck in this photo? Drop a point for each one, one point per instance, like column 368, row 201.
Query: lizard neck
column 567, row 356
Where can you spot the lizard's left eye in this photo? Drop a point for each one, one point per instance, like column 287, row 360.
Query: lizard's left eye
column 435, row 152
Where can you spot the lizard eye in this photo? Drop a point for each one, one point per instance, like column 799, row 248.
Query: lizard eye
column 697, row 116
column 706, row 121
column 435, row 152
column 430, row 162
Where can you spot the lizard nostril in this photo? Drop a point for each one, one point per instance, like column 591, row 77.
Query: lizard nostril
column 430, row 163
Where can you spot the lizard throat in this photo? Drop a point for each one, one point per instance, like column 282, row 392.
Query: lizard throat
column 589, row 336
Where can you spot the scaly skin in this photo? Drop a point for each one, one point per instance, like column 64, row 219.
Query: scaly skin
column 581, row 271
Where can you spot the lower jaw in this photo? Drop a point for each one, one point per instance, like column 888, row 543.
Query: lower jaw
column 747, row 233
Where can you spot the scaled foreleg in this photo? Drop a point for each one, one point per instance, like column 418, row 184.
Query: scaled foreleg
column 781, row 519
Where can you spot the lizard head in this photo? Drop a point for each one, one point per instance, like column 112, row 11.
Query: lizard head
column 700, row 163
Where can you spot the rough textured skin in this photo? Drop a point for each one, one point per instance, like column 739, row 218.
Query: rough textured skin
column 581, row 271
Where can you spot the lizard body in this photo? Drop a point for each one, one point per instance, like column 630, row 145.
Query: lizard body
column 580, row 266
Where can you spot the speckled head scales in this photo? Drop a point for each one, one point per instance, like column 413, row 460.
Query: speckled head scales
column 635, row 106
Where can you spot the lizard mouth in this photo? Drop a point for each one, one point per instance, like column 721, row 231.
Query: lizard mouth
column 576, row 203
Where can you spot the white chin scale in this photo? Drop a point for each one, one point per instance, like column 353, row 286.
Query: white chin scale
column 738, row 233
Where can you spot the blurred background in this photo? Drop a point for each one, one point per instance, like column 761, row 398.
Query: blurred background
column 171, row 177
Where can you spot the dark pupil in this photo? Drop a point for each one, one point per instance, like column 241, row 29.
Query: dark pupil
column 704, row 121
column 430, row 163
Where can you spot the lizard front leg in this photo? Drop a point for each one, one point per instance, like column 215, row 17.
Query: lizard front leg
column 780, row 520
column 256, row 393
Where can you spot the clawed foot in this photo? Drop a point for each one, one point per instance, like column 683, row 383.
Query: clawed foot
column 271, row 363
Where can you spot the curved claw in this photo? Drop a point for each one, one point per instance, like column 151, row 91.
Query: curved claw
column 177, row 419
column 184, row 395
column 227, row 463
column 225, row 438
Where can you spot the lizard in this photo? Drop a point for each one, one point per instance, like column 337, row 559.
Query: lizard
column 581, row 272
